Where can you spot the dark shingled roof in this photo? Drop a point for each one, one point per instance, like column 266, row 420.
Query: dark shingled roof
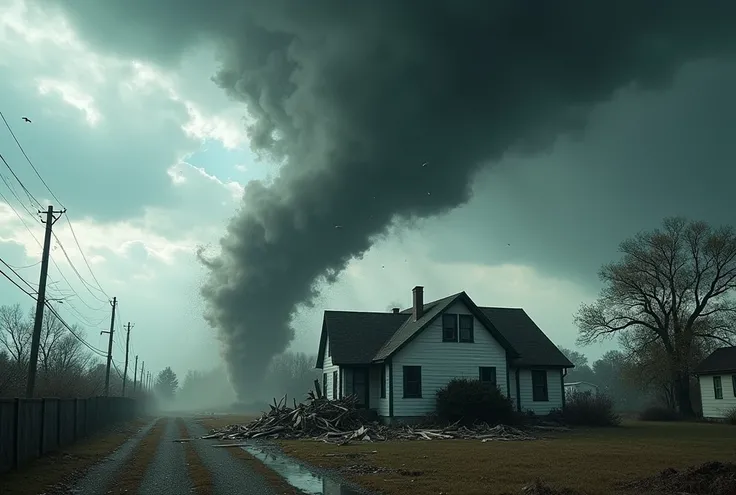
column 526, row 337
column 362, row 337
column 721, row 360
column 356, row 336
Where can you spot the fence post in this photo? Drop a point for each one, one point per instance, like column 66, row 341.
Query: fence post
column 58, row 423
column 76, row 419
column 16, row 446
column 43, row 426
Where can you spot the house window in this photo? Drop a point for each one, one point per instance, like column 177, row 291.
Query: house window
column 383, row 381
column 324, row 384
column 466, row 328
column 487, row 374
column 717, row 387
column 449, row 328
column 334, row 384
column 539, row 386
column 412, row 382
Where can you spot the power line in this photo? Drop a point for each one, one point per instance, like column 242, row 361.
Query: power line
column 10, row 129
column 23, row 186
column 18, row 275
column 17, row 285
column 84, row 257
column 38, row 174
column 79, row 275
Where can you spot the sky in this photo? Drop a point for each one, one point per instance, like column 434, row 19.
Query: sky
column 152, row 153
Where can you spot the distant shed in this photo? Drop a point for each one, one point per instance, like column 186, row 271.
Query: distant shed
column 571, row 387
column 717, row 381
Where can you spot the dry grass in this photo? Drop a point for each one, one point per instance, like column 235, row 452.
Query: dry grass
column 67, row 464
column 593, row 461
column 134, row 470
column 199, row 475
column 223, row 420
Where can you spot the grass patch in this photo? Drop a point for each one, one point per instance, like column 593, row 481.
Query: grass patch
column 593, row 461
column 67, row 464
column 223, row 420
column 134, row 470
column 199, row 475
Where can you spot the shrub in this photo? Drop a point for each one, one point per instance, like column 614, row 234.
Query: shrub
column 731, row 416
column 472, row 401
column 587, row 409
column 659, row 413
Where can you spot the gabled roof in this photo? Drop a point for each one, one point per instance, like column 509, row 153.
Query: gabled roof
column 364, row 337
column 533, row 346
column 412, row 328
column 354, row 336
column 722, row 360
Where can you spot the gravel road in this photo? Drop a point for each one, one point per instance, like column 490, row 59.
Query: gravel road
column 168, row 473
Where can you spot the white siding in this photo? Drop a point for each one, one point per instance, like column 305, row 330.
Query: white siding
column 329, row 368
column 554, row 392
column 712, row 407
column 442, row 361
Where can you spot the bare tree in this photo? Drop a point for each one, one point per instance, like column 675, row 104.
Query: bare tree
column 52, row 331
column 674, row 286
column 15, row 333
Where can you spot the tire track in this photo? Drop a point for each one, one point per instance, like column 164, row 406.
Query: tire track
column 167, row 472
column 100, row 477
column 131, row 474
column 201, row 477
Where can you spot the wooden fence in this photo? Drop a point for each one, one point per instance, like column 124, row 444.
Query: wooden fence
column 31, row 428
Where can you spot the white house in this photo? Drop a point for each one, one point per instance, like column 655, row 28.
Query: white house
column 395, row 362
column 571, row 387
column 717, row 379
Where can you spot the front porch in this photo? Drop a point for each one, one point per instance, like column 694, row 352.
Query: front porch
column 363, row 381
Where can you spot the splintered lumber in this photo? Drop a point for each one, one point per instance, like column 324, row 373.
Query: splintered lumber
column 340, row 422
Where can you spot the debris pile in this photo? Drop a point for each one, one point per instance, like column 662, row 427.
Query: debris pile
column 711, row 478
column 339, row 421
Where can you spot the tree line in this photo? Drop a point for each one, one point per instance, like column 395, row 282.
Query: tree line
column 66, row 367
column 669, row 301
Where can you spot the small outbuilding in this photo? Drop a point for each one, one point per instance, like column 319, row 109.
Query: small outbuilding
column 717, row 379
column 571, row 387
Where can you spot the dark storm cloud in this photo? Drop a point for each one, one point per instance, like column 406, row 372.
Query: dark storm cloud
column 356, row 96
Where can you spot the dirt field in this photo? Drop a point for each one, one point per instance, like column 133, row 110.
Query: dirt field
column 593, row 461
column 223, row 420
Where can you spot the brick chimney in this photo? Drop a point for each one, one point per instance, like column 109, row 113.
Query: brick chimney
column 418, row 302
column 396, row 310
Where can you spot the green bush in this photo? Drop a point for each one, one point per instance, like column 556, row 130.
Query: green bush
column 731, row 416
column 588, row 409
column 659, row 413
column 472, row 401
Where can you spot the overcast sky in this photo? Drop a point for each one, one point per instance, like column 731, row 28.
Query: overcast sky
column 151, row 159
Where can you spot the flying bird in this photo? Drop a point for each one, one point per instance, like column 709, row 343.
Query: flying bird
column 338, row 226
column 27, row 119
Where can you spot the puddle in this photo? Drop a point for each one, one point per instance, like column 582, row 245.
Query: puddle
column 297, row 475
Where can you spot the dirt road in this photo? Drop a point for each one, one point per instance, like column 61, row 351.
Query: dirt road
column 154, row 462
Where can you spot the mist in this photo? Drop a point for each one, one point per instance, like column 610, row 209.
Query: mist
column 382, row 112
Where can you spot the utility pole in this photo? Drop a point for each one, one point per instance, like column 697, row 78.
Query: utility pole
column 143, row 370
column 135, row 373
column 127, row 348
column 51, row 219
column 114, row 304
